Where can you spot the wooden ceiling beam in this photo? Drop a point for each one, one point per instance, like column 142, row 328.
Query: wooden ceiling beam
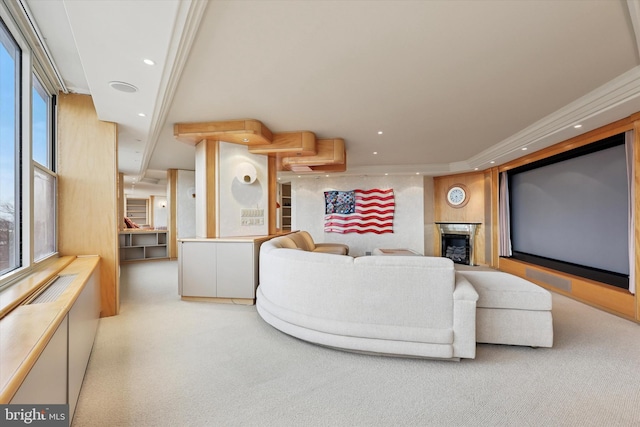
column 330, row 152
column 246, row 132
column 288, row 144
column 294, row 151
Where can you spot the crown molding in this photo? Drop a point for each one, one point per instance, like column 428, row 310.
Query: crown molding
column 619, row 98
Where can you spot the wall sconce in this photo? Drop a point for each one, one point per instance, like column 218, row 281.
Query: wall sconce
column 246, row 173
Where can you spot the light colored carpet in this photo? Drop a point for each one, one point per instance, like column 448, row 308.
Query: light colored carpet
column 166, row 362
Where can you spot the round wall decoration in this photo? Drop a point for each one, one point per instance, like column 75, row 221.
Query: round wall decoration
column 457, row 196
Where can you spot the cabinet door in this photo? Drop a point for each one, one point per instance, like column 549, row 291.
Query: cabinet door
column 198, row 269
column 46, row 383
column 236, row 278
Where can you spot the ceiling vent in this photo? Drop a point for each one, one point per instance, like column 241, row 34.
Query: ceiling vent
column 123, row 87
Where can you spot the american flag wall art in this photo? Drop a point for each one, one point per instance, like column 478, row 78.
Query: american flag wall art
column 359, row 211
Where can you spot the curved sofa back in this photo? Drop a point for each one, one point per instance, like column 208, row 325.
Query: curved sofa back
column 404, row 297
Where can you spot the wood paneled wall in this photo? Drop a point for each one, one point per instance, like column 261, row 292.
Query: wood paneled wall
column 87, row 191
column 473, row 211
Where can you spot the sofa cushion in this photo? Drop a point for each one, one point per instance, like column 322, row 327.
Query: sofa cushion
column 497, row 289
column 332, row 248
column 301, row 241
column 284, row 242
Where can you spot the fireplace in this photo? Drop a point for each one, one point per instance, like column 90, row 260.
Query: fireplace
column 457, row 241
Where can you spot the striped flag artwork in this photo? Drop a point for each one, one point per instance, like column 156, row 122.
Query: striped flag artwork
column 359, row 211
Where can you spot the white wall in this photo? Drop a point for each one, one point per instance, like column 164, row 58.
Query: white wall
column 186, row 204
column 234, row 195
column 408, row 225
column 159, row 209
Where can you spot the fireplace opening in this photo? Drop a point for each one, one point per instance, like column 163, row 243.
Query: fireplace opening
column 456, row 247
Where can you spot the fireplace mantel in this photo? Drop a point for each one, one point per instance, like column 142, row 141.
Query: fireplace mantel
column 463, row 229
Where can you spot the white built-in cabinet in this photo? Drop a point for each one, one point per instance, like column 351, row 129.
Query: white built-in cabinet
column 219, row 268
column 57, row 375
column 143, row 245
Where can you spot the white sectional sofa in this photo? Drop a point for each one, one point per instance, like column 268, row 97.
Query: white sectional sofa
column 410, row 306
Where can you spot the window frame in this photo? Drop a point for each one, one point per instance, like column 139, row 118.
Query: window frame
column 29, row 68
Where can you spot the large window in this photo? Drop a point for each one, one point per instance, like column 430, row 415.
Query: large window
column 27, row 158
column 44, row 179
column 9, row 152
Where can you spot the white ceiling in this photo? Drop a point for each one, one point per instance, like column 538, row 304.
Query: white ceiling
column 452, row 85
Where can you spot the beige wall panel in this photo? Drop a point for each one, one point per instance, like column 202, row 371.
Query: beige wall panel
column 87, row 191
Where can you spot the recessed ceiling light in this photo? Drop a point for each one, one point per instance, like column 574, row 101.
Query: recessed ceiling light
column 327, row 176
column 492, row 162
column 379, row 132
column 245, row 140
column 142, row 114
column 475, row 169
column 123, row 86
column 386, row 174
column 417, row 173
column 577, row 126
column 148, row 61
column 524, row 148
column 375, row 152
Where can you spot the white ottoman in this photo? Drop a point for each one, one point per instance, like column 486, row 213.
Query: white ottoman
column 511, row 310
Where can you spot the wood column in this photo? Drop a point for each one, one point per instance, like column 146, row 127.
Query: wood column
column 273, row 193
column 88, row 220
column 207, row 160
